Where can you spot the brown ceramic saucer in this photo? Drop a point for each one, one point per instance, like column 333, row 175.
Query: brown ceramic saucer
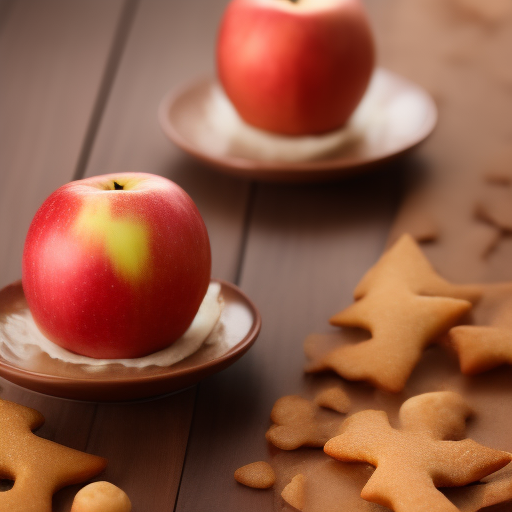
column 241, row 323
column 405, row 116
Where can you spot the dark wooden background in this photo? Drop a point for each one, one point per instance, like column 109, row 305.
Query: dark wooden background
column 80, row 83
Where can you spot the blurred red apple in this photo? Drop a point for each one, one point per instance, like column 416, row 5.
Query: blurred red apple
column 116, row 266
column 295, row 67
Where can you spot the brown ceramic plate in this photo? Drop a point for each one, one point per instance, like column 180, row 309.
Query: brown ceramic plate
column 241, row 323
column 395, row 116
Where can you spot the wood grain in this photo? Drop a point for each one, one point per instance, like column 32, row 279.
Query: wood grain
column 5, row 9
column 80, row 86
column 52, row 71
column 307, row 248
column 169, row 43
column 459, row 51
column 51, row 74
column 145, row 443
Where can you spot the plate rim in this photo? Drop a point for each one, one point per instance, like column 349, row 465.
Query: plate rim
column 233, row 354
column 279, row 170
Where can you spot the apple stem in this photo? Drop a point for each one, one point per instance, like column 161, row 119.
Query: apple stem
column 117, row 186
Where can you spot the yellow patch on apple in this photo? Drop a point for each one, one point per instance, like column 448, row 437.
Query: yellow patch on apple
column 125, row 240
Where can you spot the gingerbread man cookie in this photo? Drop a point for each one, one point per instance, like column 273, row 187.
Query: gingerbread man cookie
column 406, row 306
column 300, row 422
column 425, row 453
column 37, row 466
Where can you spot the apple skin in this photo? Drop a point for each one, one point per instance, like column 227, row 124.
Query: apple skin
column 292, row 69
column 116, row 273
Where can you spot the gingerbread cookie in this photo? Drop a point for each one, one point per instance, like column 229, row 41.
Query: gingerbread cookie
column 492, row 490
column 299, row 422
column 101, row 497
column 411, row 462
column 38, row 467
column 258, row 475
column 406, row 306
column 333, row 398
column 295, row 492
column 483, row 347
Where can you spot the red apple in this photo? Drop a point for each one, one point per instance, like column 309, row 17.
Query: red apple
column 116, row 266
column 295, row 67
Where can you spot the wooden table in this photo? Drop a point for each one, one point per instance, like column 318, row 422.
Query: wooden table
column 80, row 83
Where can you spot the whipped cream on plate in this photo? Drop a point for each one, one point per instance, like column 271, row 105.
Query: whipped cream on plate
column 21, row 340
column 224, row 131
column 384, row 119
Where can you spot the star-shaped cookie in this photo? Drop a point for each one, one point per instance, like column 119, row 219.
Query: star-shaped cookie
column 406, row 306
column 38, row 467
column 425, row 453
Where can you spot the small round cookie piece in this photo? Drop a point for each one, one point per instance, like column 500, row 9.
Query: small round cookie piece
column 101, row 497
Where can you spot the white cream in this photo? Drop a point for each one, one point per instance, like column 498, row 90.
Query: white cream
column 20, row 339
column 223, row 131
